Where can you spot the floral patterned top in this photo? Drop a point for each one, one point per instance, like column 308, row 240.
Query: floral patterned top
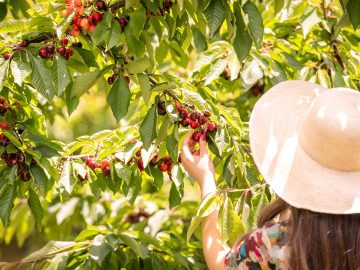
column 262, row 249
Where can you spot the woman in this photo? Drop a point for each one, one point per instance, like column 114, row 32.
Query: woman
column 305, row 141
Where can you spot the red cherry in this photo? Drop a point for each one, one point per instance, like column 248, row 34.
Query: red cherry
column 75, row 32
column 64, row 41
column 194, row 124
column 64, row 13
column 11, row 162
column 4, row 125
column 185, row 122
column 2, row 137
column 211, row 127
column 80, row 11
column 127, row 78
column 61, row 50
column 50, row 48
column 77, row 22
column 140, row 165
column 91, row 28
column 123, row 22
column 194, row 116
column 105, row 163
column 202, row 119
column 69, row 51
column 105, row 170
column 101, row 5
column 77, row 3
column 164, row 167
column 84, row 24
column 91, row 163
column 7, row 56
column 203, row 136
column 110, row 80
column 70, row 10
column 97, row 16
column 25, row 43
column 183, row 114
column 196, row 136
column 178, row 107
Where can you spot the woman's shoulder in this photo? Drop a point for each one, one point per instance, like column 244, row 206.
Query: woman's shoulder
column 263, row 248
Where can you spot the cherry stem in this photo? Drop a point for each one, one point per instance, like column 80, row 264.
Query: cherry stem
column 77, row 156
column 167, row 92
column 117, row 5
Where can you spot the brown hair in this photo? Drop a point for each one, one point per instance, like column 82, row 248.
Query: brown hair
column 317, row 240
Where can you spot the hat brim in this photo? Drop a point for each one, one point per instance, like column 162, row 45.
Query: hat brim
column 285, row 166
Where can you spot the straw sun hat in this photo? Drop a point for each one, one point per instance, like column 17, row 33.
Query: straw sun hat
column 305, row 140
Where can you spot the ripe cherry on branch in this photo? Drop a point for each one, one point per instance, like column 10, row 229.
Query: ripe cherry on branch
column 7, row 56
column 161, row 108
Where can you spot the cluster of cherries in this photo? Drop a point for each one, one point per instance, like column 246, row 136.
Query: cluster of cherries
column 114, row 77
column 166, row 6
column 13, row 159
column 48, row 51
column 104, row 165
column 164, row 164
column 194, row 119
column 81, row 21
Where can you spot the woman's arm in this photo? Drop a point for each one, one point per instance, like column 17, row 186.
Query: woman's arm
column 199, row 165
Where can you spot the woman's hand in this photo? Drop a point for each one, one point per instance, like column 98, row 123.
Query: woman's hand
column 198, row 163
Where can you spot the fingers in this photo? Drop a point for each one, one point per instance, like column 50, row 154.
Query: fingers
column 186, row 152
column 203, row 145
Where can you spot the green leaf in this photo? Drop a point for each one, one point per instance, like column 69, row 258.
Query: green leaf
column 36, row 209
column 208, row 205
column 87, row 56
column 60, row 74
column 137, row 22
column 177, row 187
column 7, row 203
column 132, row 189
column 229, row 222
column 242, row 41
column 102, row 30
column 19, row 67
column 353, row 9
column 52, row 248
column 3, row 10
column 309, row 20
column 67, row 180
column 138, row 66
column 145, row 87
column 132, row 244
column 255, row 22
column 115, row 34
column 172, row 144
column 215, row 15
column 148, row 127
column 216, row 68
column 84, row 82
column 40, row 178
column 279, row 4
column 136, row 47
column 119, row 98
column 40, row 77
column 4, row 65
column 99, row 249
column 199, row 39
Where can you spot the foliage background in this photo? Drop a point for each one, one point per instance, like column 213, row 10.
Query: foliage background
column 218, row 55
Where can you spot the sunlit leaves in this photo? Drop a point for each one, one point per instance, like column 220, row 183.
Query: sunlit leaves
column 242, row 42
column 353, row 8
column 255, row 22
column 36, row 208
column 215, row 15
column 40, row 77
column 8, row 193
column 119, row 98
column 148, row 127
